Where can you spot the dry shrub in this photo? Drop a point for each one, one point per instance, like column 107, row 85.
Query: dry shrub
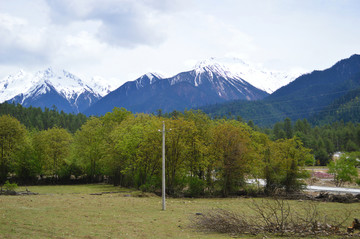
column 273, row 217
column 222, row 221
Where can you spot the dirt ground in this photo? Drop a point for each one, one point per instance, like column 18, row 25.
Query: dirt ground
column 320, row 177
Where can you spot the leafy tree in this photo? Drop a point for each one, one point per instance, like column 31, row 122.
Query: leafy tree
column 149, row 154
column 177, row 151
column 26, row 163
column 12, row 136
column 284, row 160
column 53, row 148
column 288, row 128
column 112, row 161
column 88, row 147
column 343, row 169
column 230, row 147
column 199, row 142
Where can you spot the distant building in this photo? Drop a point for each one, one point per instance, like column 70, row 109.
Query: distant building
column 337, row 155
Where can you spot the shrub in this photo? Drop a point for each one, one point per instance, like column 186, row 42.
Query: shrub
column 153, row 184
column 358, row 181
column 253, row 190
column 10, row 186
column 343, row 169
column 275, row 217
column 196, row 187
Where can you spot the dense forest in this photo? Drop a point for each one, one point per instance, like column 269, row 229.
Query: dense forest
column 37, row 119
column 323, row 140
column 204, row 156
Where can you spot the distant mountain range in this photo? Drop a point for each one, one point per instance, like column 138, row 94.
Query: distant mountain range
column 212, row 81
column 49, row 88
column 206, row 84
column 218, row 86
column 308, row 95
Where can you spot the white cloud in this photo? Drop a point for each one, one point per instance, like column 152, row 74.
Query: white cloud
column 124, row 23
column 20, row 42
column 123, row 39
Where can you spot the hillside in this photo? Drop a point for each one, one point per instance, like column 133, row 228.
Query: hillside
column 205, row 85
column 346, row 109
column 307, row 95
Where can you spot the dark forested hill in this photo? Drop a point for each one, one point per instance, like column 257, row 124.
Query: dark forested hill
column 307, row 95
column 346, row 108
column 36, row 118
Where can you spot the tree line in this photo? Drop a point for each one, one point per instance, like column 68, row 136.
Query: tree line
column 34, row 118
column 323, row 140
column 203, row 156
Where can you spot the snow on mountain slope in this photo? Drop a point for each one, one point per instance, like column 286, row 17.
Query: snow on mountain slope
column 235, row 68
column 147, row 79
column 47, row 88
column 13, row 85
column 101, row 85
column 65, row 83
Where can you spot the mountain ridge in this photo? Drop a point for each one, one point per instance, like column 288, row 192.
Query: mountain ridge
column 303, row 97
column 189, row 89
column 68, row 92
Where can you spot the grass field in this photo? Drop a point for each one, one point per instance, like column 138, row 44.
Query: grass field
column 72, row 212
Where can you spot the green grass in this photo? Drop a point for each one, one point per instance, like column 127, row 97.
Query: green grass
column 73, row 189
column 71, row 212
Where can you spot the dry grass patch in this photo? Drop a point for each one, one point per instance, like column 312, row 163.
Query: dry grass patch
column 71, row 212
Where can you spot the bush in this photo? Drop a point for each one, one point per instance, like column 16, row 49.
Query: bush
column 344, row 170
column 358, row 181
column 10, row 186
column 196, row 187
column 253, row 190
column 153, row 184
column 275, row 217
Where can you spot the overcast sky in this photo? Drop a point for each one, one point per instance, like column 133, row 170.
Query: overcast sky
column 123, row 39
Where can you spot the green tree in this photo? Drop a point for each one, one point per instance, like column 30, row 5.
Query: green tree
column 178, row 147
column 88, row 147
column 137, row 150
column 26, row 163
column 52, row 147
column 112, row 160
column 288, row 128
column 12, row 136
column 343, row 169
column 284, row 165
column 231, row 147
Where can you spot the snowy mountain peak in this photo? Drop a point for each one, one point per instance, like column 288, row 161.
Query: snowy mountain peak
column 147, row 79
column 64, row 82
column 236, row 68
column 152, row 76
column 100, row 85
column 212, row 66
column 13, row 85
column 48, row 87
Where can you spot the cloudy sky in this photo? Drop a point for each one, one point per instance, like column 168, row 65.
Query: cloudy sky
column 123, row 39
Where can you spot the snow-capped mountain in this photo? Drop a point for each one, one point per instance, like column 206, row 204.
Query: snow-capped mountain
column 201, row 86
column 100, row 85
column 259, row 77
column 47, row 88
column 13, row 85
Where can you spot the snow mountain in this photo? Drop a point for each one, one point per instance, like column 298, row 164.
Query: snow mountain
column 47, row 88
column 266, row 80
column 201, row 86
